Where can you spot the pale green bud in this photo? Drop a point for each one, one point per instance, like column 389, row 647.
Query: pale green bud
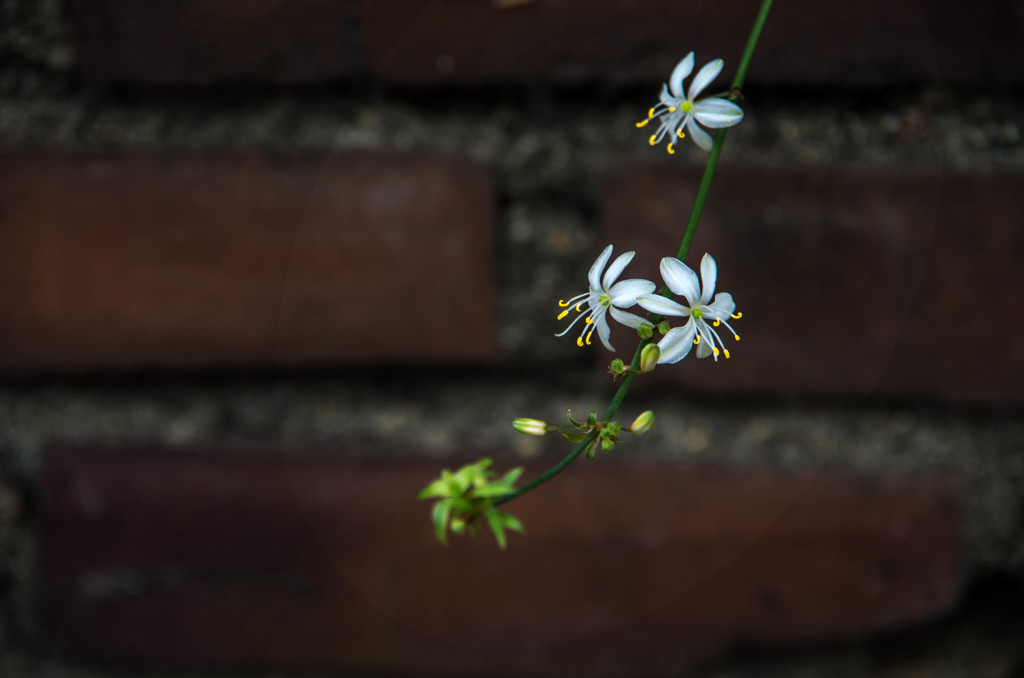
column 607, row 445
column 645, row 331
column 643, row 423
column 617, row 366
column 613, row 428
column 664, row 327
column 531, row 427
column 649, row 357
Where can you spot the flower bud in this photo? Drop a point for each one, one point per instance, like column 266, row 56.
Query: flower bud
column 664, row 327
column 607, row 445
column 643, row 423
column 645, row 331
column 617, row 366
column 613, row 428
column 531, row 427
column 649, row 357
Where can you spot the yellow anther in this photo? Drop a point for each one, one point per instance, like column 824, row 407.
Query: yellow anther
column 563, row 304
column 726, row 351
column 672, row 109
column 718, row 321
column 736, row 337
column 650, row 114
column 578, row 309
column 737, row 316
column 588, row 321
column 563, row 314
column 680, row 134
column 671, row 151
column 589, row 335
column 642, row 123
column 696, row 342
column 579, row 341
column 715, row 349
column 652, row 139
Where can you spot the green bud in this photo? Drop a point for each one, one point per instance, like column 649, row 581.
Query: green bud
column 613, row 428
column 591, row 451
column 649, row 357
column 607, row 445
column 643, row 423
column 645, row 331
column 664, row 327
column 617, row 366
column 530, row 427
column 592, row 420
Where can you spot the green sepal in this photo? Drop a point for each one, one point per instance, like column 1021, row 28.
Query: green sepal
column 573, row 437
column 511, row 522
column 512, row 476
column 442, row 510
column 497, row 527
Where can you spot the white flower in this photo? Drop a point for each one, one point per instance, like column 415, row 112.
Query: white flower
column 696, row 332
column 678, row 108
column 606, row 295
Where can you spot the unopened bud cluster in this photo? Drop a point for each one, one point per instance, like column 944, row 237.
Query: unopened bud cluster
column 649, row 357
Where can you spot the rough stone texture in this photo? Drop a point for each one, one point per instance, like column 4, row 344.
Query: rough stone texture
column 219, row 550
column 190, row 41
column 872, row 265
column 127, row 260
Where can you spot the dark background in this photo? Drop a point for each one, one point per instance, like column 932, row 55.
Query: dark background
column 267, row 266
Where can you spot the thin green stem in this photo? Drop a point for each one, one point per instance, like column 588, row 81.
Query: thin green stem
column 684, row 249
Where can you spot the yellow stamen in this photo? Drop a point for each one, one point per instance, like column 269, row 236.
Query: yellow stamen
column 563, row 314
column 588, row 321
column 671, row 151
column 643, row 122
column 680, row 134
column 671, row 109
column 736, row 337
column 727, row 356
column 715, row 349
column 696, row 342
column 737, row 316
column 579, row 341
column 589, row 335
column 718, row 321
column 578, row 309
column 563, row 304
column 652, row 139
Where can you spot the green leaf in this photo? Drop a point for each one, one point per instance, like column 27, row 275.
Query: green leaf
column 442, row 510
column 438, row 488
column 497, row 527
column 463, row 505
column 574, row 437
column 493, row 490
column 511, row 522
column 512, row 476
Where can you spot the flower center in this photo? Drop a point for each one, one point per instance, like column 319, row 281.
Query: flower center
column 696, row 313
column 685, row 107
column 604, row 300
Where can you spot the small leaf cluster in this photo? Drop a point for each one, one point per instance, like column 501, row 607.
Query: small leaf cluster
column 466, row 495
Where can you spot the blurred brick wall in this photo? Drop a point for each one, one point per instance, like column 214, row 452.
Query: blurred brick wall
column 267, row 265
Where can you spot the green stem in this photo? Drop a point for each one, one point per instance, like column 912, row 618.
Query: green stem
column 684, row 248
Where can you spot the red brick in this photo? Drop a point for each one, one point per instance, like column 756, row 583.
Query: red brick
column 202, row 41
column 870, row 42
column 852, row 281
column 127, row 260
column 265, row 559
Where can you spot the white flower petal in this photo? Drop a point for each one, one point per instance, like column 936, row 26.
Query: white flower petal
column 717, row 113
column 629, row 319
column 595, row 270
column 666, row 97
column 603, row 332
column 625, row 292
column 704, row 77
column 723, row 306
column 705, row 349
column 699, row 136
column 655, row 303
column 681, row 279
column 615, row 270
column 676, row 344
column 708, row 276
column 680, row 73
